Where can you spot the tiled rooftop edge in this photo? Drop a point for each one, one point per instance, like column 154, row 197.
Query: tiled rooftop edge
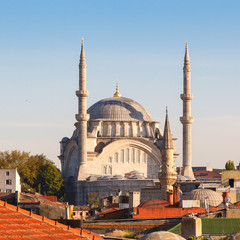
column 80, row 233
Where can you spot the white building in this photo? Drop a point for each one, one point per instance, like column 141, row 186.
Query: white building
column 9, row 181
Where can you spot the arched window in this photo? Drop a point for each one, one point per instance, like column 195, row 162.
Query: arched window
column 109, row 160
column 138, row 156
column 116, row 157
column 109, row 170
column 127, row 155
column 133, row 155
column 129, row 130
column 104, row 170
column 122, row 156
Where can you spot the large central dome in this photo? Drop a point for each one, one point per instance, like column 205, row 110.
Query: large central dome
column 119, row 109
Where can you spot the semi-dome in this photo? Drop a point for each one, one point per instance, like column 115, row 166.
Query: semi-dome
column 119, row 109
column 214, row 198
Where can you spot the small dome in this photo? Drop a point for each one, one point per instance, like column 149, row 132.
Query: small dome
column 92, row 178
column 137, row 176
column 105, row 178
column 214, row 198
column 134, row 172
column 119, row 109
column 117, row 177
column 161, row 235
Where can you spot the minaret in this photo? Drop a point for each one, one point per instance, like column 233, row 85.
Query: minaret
column 187, row 119
column 82, row 116
column 168, row 175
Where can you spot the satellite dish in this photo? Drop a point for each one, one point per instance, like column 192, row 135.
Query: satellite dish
column 227, row 199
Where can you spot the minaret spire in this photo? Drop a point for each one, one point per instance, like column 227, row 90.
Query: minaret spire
column 167, row 176
column 82, row 54
column 187, row 119
column 167, row 136
column 186, row 57
column 82, row 116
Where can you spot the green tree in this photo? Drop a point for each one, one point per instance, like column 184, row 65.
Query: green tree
column 93, row 199
column 37, row 173
column 229, row 165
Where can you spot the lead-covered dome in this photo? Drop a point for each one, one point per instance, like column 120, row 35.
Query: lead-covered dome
column 214, row 198
column 119, row 109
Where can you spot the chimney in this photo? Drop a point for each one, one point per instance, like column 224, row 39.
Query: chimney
column 191, row 225
column 176, row 194
column 224, row 195
column 170, row 197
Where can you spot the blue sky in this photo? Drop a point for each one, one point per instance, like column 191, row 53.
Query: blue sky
column 141, row 43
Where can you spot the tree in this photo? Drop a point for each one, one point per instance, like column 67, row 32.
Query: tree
column 229, row 165
column 93, row 199
column 37, row 173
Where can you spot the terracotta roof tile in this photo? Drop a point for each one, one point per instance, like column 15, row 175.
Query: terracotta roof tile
column 16, row 223
column 206, row 174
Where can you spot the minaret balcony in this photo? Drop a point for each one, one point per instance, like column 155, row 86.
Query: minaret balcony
column 186, row 96
column 186, row 119
column 82, row 117
column 82, row 93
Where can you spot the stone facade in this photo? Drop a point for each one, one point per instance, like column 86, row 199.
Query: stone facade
column 104, row 187
column 150, row 193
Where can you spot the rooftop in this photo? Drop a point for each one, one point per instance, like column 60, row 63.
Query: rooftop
column 16, row 223
column 206, row 174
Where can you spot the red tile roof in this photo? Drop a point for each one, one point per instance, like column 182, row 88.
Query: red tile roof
column 17, row 223
column 107, row 211
column 49, row 198
column 154, row 203
column 206, row 174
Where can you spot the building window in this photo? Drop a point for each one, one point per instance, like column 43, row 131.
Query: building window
column 109, row 170
column 7, row 173
column 138, row 156
column 9, row 182
column 133, row 155
column 109, row 160
column 129, row 130
column 8, row 190
column 127, row 155
column 116, row 157
column 104, row 170
column 231, row 183
column 122, row 156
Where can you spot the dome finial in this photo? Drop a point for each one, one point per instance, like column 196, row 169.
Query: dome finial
column 117, row 93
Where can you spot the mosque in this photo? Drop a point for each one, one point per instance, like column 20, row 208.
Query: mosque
column 117, row 146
